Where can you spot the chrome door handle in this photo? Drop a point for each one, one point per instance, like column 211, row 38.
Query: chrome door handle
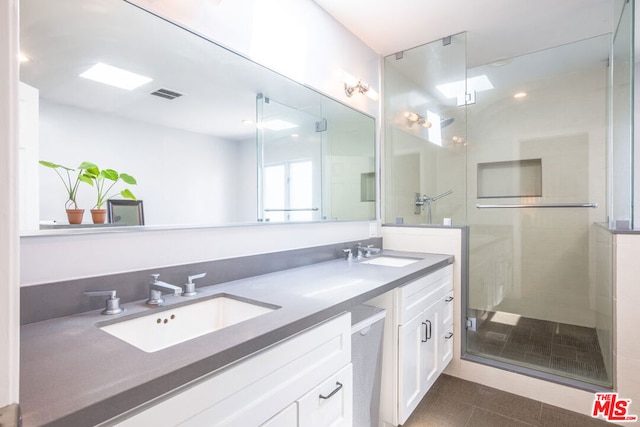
column 449, row 336
column 427, row 330
column 449, row 299
column 425, row 333
column 337, row 389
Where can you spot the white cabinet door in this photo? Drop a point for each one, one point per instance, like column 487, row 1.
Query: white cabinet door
column 430, row 348
column 417, row 361
column 330, row 404
column 411, row 336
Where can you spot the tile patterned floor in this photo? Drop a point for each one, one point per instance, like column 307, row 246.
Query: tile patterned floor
column 559, row 348
column 453, row 402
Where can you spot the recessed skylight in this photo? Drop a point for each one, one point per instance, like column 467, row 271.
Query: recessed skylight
column 114, row 76
column 277, row 125
column 473, row 84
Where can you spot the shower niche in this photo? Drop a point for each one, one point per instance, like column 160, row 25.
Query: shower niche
column 514, row 178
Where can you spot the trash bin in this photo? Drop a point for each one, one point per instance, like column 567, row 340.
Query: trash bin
column 367, row 324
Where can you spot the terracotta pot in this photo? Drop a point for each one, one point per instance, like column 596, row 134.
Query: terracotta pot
column 75, row 216
column 98, row 215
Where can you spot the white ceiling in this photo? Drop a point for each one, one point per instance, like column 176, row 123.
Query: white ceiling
column 495, row 28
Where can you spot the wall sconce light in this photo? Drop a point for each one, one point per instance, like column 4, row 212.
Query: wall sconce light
column 413, row 118
column 361, row 87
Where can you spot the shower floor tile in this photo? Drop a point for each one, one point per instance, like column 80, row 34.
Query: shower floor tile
column 559, row 348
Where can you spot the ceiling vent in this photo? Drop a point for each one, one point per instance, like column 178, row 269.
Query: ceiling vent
column 166, row 93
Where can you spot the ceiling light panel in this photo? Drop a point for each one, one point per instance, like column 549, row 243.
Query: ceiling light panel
column 115, row 76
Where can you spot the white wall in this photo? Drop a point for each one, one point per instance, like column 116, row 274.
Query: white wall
column 183, row 177
column 636, row 152
column 627, row 317
column 9, row 261
column 65, row 257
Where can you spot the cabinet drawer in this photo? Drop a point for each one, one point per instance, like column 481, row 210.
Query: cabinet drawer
column 445, row 347
column 447, row 309
column 421, row 293
column 286, row 418
column 329, row 404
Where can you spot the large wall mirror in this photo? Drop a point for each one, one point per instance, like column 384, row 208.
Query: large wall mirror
column 212, row 138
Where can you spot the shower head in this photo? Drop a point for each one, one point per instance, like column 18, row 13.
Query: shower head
column 446, row 122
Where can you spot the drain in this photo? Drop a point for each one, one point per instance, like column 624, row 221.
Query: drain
column 496, row 336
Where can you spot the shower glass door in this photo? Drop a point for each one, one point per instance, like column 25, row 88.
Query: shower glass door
column 290, row 162
column 424, row 141
column 536, row 182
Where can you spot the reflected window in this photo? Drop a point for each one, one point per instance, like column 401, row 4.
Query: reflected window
column 288, row 190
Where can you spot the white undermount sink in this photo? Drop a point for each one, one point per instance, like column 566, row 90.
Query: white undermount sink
column 390, row 261
column 165, row 328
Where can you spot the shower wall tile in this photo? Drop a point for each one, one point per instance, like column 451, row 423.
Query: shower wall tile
column 628, row 295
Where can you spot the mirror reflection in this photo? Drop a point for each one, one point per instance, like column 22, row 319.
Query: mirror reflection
column 194, row 133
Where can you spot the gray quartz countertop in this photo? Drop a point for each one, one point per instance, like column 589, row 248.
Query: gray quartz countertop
column 74, row 374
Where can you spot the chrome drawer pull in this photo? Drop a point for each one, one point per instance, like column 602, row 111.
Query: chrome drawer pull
column 449, row 336
column 337, row 389
column 449, row 299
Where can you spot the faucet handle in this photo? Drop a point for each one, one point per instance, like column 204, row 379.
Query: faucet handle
column 190, row 279
column 155, row 277
column 347, row 254
column 190, row 287
column 112, row 304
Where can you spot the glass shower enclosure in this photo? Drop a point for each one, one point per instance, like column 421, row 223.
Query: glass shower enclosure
column 519, row 155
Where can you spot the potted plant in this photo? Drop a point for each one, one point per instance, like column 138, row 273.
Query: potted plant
column 74, row 214
column 104, row 180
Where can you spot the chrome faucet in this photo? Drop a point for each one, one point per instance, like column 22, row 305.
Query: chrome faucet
column 190, row 287
column 157, row 288
column 366, row 251
column 112, row 304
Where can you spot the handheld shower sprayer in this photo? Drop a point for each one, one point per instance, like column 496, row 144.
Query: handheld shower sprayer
column 422, row 200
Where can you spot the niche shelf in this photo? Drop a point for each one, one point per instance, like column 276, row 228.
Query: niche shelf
column 514, row 178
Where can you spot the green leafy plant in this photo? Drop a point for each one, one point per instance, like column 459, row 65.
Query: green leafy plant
column 104, row 180
column 70, row 184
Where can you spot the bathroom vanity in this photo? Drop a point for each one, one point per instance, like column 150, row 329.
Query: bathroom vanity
column 272, row 369
column 304, row 378
column 421, row 323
